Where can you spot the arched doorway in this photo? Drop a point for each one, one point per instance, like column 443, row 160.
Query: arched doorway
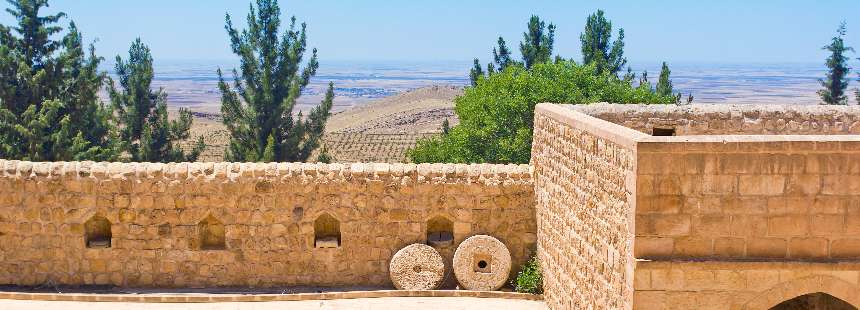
column 814, row 301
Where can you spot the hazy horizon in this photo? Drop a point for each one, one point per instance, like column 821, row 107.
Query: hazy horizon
column 675, row 31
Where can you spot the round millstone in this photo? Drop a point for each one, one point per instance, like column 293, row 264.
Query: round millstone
column 417, row 267
column 482, row 263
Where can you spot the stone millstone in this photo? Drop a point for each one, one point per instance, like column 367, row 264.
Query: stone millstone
column 417, row 267
column 482, row 263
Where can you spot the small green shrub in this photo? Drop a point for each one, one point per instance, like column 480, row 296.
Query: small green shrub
column 530, row 279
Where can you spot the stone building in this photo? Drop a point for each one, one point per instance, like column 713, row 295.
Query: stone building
column 627, row 207
column 698, row 207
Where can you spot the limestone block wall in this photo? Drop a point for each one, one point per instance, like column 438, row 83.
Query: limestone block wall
column 756, row 285
column 585, row 189
column 731, row 119
column 744, row 207
column 259, row 225
column 774, row 198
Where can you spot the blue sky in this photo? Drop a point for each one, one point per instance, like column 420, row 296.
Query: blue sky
column 671, row 30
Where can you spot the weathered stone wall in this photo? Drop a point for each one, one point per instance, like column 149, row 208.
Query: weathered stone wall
column 749, row 200
column 722, row 119
column 723, row 285
column 265, row 213
column 749, row 207
column 584, row 184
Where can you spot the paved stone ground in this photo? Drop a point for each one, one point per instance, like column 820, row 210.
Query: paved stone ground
column 389, row 303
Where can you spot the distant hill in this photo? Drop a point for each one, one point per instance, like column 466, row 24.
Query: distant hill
column 380, row 131
column 419, row 111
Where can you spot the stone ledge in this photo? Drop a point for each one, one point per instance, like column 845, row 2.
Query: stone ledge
column 215, row 298
column 420, row 173
column 716, row 110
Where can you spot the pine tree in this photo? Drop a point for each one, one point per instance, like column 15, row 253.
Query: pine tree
column 597, row 48
column 146, row 132
column 538, row 42
column 49, row 104
column 476, row 72
column 837, row 77
column 258, row 107
column 857, row 90
column 502, row 55
column 664, row 84
column 536, row 47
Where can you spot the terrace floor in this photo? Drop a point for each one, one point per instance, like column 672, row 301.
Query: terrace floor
column 387, row 303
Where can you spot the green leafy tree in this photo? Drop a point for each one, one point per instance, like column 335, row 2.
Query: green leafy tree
column 598, row 47
column 258, row 107
column 837, row 76
column 538, row 42
column 496, row 117
column 49, row 104
column 147, row 133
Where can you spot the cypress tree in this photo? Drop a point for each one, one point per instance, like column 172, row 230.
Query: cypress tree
column 664, row 84
column 536, row 47
column 597, row 48
column 837, row 76
column 257, row 108
column 538, row 42
column 146, row 132
column 476, row 72
column 49, row 104
column 502, row 55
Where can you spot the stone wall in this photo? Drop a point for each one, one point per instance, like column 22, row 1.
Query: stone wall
column 722, row 285
column 744, row 207
column 731, row 119
column 258, row 225
column 768, row 198
column 584, row 184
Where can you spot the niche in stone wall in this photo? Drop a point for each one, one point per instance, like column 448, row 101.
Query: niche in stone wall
column 326, row 232
column 98, row 233
column 440, row 232
column 663, row 132
column 211, row 234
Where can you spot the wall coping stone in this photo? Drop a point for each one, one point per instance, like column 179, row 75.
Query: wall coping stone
column 217, row 298
column 419, row 173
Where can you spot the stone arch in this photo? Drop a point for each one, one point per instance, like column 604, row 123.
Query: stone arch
column 212, row 234
column 790, row 290
column 97, row 233
column 440, row 231
column 814, row 301
column 326, row 231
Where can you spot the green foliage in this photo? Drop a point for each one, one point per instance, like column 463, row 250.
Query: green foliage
column 446, row 127
column 837, row 77
column 496, row 117
column 535, row 48
column 530, row 279
column 324, row 157
column 596, row 46
column 258, row 107
column 857, row 90
column 49, row 105
column 502, row 56
column 664, row 84
column 147, row 133
column 476, row 72
column 537, row 43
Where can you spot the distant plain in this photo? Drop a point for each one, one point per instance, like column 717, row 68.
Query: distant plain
column 382, row 108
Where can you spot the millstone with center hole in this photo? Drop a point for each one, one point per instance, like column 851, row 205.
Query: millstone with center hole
column 417, row 267
column 482, row 263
